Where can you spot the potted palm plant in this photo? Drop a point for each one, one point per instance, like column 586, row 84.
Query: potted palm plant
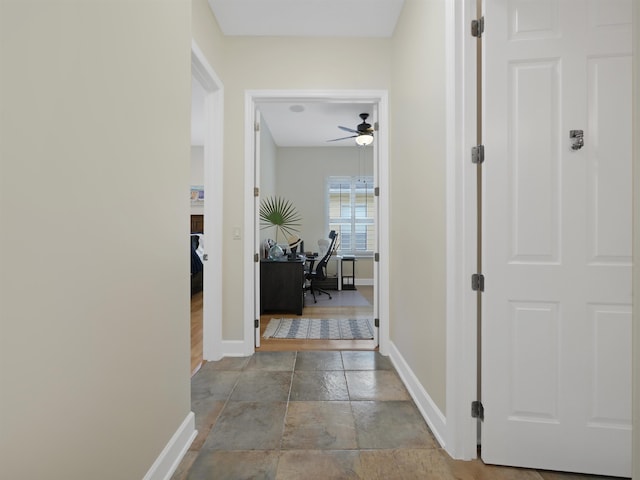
column 280, row 213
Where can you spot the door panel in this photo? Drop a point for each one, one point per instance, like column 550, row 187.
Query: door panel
column 556, row 312
column 533, row 175
column 611, row 392
column 534, row 340
column 610, row 213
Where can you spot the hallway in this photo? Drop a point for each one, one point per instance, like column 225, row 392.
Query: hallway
column 318, row 415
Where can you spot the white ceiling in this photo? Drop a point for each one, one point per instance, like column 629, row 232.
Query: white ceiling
column 310, row 18
column 315, row 124
column 295, row 124
column 318, row 121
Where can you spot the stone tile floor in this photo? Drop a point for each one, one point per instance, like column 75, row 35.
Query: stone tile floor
column 319, row 415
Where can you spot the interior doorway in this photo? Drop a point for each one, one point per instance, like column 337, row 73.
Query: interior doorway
column 209, row 104
column 377, row 290
column 308, row 157
column 197, row 191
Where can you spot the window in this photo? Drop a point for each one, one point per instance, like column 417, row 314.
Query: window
column 352, row 213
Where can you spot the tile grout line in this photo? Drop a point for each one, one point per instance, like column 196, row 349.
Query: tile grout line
column 286, row 410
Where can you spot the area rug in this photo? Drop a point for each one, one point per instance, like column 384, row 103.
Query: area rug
column 320, row 328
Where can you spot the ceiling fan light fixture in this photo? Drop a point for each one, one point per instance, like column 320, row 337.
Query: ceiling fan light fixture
column 364, row 139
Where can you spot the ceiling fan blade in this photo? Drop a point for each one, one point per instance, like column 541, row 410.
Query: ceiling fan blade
column 343, row 138
column 347, row 129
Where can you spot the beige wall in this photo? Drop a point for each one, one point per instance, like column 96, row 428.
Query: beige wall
column 197, row 165
column 207, row 35
column 197, row 174
column 279, row 63
column 94, row 297
column 268, row 160
column 417, row 173
column 302, row 174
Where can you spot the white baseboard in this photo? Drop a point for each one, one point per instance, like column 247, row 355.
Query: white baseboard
column 364, row 281
column 433, row 416
column 230, row 348
column 235, row 348
column 171, row 456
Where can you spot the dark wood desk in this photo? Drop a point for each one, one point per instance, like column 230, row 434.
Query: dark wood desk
column 282, row 285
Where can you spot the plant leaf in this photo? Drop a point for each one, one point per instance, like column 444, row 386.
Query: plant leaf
column 280, row 213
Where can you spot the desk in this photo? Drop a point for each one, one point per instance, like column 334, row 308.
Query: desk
column 282, row 285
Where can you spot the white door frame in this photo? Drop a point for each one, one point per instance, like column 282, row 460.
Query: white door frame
column 635, row 345
column 379, row 97
column 213, row 154
column 461, row 307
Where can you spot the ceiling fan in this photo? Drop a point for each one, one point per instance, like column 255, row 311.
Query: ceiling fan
column 363, row 132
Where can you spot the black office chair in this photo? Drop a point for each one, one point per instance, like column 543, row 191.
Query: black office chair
column 320, row 270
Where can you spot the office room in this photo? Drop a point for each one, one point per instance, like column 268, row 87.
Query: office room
column 311, row 171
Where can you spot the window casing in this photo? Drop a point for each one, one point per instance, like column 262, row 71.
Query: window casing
column 351, row 207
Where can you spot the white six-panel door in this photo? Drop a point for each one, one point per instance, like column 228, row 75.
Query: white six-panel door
column 556, row 313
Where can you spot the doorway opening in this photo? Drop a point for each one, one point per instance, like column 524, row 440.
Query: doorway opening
column 198, row 95
column 303, row 173
column 206, row 212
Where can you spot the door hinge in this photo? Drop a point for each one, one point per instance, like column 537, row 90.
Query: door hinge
column 257, row 127
column 376, row 191
column 477, row 27
column 376, row 322
column 375, row 126
column 256, row 257
column 256, row 323
column 376, row 257
column 477, row 154
column 477, row 410
column 256, row 191
column 477, row 282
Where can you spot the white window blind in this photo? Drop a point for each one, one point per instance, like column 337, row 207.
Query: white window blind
column 352, row 213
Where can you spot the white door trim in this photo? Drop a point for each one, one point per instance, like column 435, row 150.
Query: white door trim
column 636, row 242
column 461, row 302
column 370, row 96
column 213, row 151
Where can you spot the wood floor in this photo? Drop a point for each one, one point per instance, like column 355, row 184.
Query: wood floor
column 196, row 332
column 280, row 345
